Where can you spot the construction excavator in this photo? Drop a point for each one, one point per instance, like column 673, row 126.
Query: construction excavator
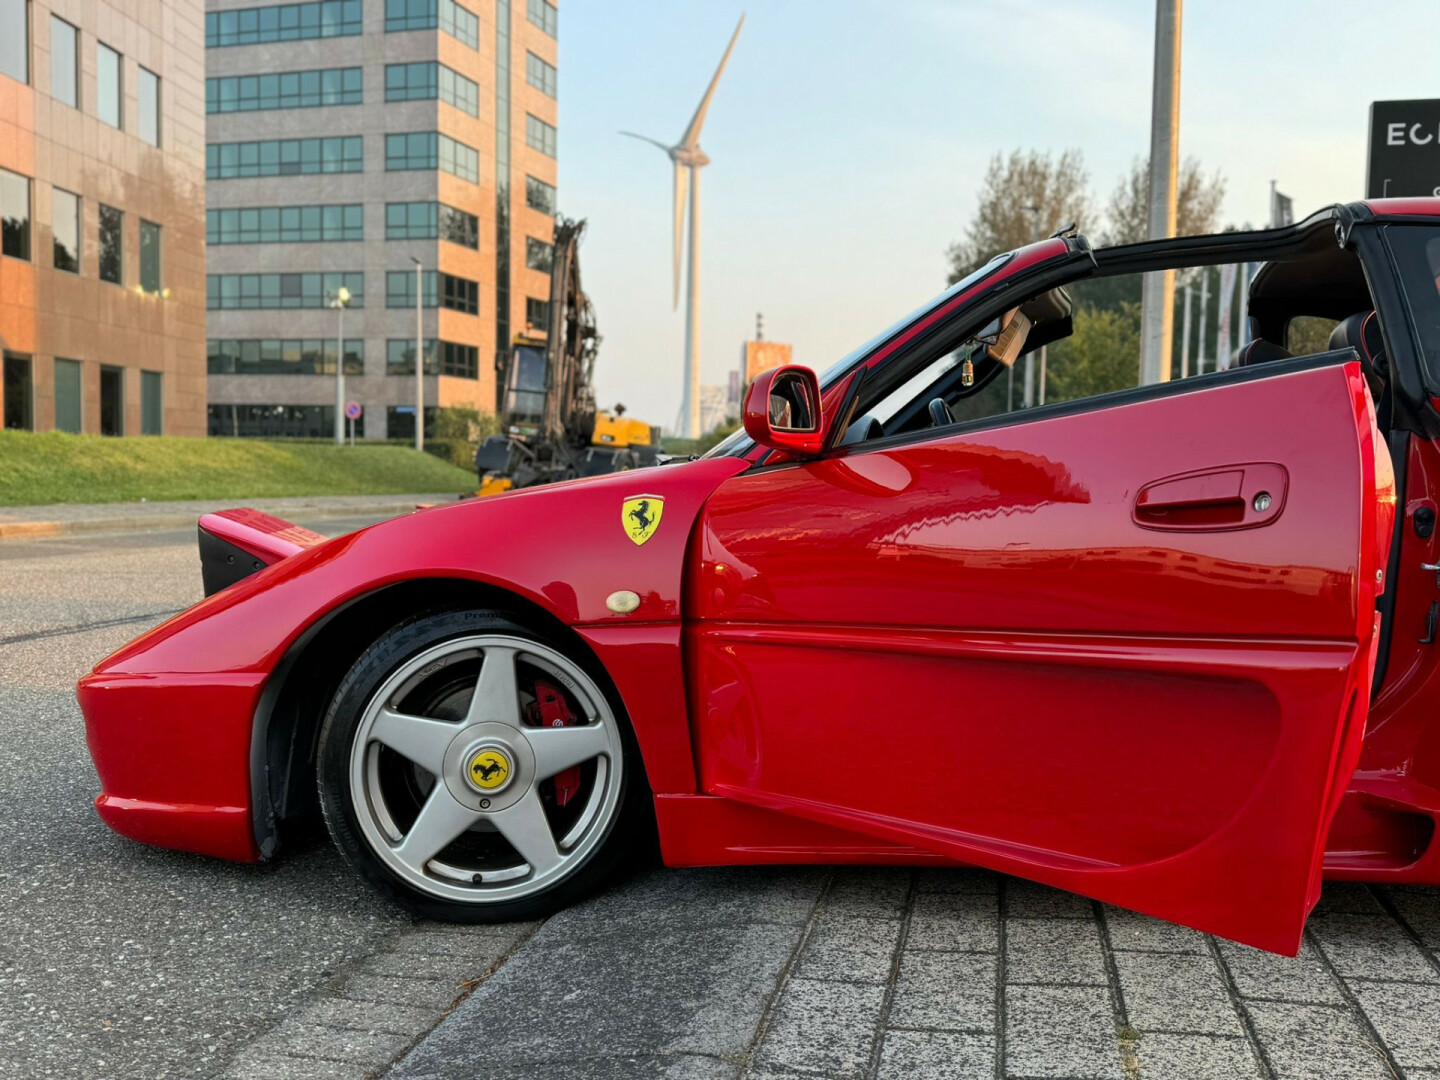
column 550, row 427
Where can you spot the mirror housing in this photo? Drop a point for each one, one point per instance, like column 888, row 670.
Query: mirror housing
column 782, row 410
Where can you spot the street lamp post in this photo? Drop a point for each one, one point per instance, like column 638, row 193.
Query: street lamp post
column 419, row 359
column 1035, row 212
column 340, row 300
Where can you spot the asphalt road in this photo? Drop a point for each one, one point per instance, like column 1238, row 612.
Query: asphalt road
column 121, row 961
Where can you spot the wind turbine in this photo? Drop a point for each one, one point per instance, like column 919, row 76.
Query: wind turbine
column 689, row 159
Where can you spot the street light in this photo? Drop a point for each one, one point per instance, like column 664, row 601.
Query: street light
column 1035, row 212
column 340, row 300
column 419, row 360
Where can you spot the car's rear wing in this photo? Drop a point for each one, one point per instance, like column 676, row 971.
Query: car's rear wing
column 236, row 543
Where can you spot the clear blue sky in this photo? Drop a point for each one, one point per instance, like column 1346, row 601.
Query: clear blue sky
column 848, row 138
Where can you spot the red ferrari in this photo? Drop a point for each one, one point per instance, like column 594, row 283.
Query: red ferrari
column 1171, row 647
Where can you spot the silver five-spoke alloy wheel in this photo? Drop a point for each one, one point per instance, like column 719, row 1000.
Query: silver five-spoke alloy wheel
column 480, row 767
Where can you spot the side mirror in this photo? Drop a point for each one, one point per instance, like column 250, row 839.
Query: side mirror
column 782, row 410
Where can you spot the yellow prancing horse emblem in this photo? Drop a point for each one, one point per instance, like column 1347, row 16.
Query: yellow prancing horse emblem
column 640, row 516
column 489, row 769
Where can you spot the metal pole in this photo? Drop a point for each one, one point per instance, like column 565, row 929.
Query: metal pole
column 1204, row 310
column 1034, row 212
column 419, row 360
column 340, row 377
column 692, row 316
column 1157, row 319
column 1185, row 337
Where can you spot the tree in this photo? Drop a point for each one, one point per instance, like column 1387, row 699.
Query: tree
column 1197, row 204
column 1103, row 354
column 1058, row 186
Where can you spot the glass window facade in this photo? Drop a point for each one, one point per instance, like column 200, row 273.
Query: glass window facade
column 459, row 361
column 282, row 356
column 431, row 221
column 539, row 195
column 15, row 39
column 540, row 75
column 285, row 157
column 457, row 90
column 428, row 150
column 539, row 135
column 65, row 230
column 64, row 62
column 459, row 160
column 285, row 90
column 539, row 255
column 258, row 292
column 112, row 244
column 112, row 401
column 428, row 79
column 460, row 23
column 109, row 86
column 149, row 256
column 502, row 182
column 544, row 15
column 285, row 224
column 537, row 313
column 18, row 391
column 457, row 21
column 277, row 421
column 14, row 215
column 68, row 416
column 400, row 357
column 456, row 293
column 400, row 419
column 149, row 107
column 152, row 404
column 284, row 22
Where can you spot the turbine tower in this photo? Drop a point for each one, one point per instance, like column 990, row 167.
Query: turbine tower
column 689, row 159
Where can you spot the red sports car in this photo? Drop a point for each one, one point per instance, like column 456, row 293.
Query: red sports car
column 1171, row 647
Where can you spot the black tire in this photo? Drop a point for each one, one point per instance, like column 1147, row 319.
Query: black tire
column 631, row 825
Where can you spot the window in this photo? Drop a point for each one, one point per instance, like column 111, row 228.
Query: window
column 460, row 23
column 539, row 255
column 284, row 90
column 543, row 14
column 112, row 401
column 458, row 227
column 259, row 292
column 282, row 356
column 152, row 413
column 65, row 228
column 456, row 293
column 539, row 195
column 400, row 358
column 277, row 421
column 67, row 396
column 459, row 361
column 285, row 157
column 150, row 107
column 539, row 74
column 400, row 419
column 14, row 215
column 64, row 62
column 539, row 135
column 112, row 244
column 411, row 221
column 15, row 40
column 109, row 88
column 149, row 257
column 459, row 294
column 285, row 224
column 414, row 150
column 457, row 90
column 537, row 313
column 19, row 392
column 457, row 21
column 410, row 82
column 284, row 22
column 459, row 160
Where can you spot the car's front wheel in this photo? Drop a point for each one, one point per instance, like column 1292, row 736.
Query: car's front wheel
column 476, row 772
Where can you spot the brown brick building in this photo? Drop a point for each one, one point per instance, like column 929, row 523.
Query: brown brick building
column 102, row 196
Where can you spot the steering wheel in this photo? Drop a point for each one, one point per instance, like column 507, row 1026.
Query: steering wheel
column 940, row 414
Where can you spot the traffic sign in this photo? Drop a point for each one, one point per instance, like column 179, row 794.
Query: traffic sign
column 1404, row 149
column 353, row 410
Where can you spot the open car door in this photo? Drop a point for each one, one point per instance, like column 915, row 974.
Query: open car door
column 1122, row 646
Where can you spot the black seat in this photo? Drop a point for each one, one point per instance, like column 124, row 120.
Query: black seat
column 1258, row 351
column 1361, row 332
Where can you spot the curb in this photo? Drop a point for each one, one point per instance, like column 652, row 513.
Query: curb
column 31, row 530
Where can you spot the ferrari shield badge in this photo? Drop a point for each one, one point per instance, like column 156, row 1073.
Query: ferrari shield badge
column 640, row 516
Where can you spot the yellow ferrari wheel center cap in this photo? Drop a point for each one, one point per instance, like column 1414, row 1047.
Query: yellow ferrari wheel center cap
column 488, row 769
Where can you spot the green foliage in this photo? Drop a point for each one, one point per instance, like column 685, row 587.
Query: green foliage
column 458, row 430
column 1103, row 354
column 1197, row 209
column 1309, row 334
column 53, row 467
column 687, row 447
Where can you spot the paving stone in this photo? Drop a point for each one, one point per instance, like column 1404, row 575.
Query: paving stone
column 1027, row 900
column 623, row 1067
column 927, row 1055
column 1053, row 951
column 1061, row 1031
column 366, row 1048
column 434, row 966
column 822, row 1028
column 1371, row 947
column 965, row 921
column 1407, row 1017
column 485, row 940
column 1131, row 931
column 962, row 879
column 1169, row 1056
column 1419, row 905
column 368, row 1016
column 1313, row 1042
column 1175, row 992
column 1303, row 979
column 1348, row 898
column 874, row 892
column 267, row 1064
column 436, row 996
column 850, row 948
column 945, row 990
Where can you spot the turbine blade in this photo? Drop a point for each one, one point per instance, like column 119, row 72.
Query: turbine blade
column 691, row 138
column 681, row 178
column 646, row 138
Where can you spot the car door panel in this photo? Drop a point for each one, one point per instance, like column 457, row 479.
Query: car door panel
column 971, row 643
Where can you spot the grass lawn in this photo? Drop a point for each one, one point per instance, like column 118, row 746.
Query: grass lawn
column 52, row 467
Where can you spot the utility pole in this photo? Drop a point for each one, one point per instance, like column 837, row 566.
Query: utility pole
column 1157, row 317
column 1204, row 309
column 1185, row 337
column 340, row 300
column 419, row 357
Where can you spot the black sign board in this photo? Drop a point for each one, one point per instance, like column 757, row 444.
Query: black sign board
column 1404, row 149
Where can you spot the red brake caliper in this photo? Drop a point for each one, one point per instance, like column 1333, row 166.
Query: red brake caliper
column 550, row 709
